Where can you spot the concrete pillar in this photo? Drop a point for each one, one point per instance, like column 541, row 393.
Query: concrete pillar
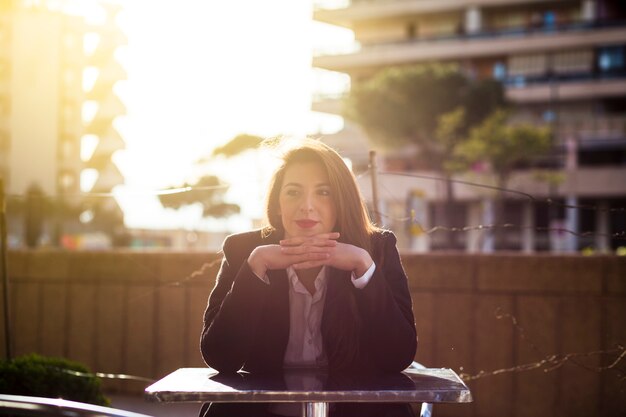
column 571, row 214
column 571, row 224
column 474, row 218
column 603, row 228
column 488, row 239
column 418, row 210
column 588, row 10
column 528, row 227
column 473, row 20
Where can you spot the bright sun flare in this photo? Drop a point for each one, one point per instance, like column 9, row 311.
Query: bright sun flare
column 199, row 73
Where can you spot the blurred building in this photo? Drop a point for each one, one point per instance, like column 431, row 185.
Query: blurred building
column 563, row 63
column 57, row 108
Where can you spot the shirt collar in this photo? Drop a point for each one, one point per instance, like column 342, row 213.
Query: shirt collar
column 296, row 285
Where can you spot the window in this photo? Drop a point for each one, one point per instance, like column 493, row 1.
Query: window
column 549, row 19
column 528, row 65
column 67, row 149
column 411, row 30
column 611, row 59
column 67, row 180
column 573, row 62
column 499, row 71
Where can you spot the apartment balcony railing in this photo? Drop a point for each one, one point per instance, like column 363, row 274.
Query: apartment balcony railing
column 342, row 4
column 522, row 89
column 331, row 4
column 599, row 128
column 562, row 79
column 514, row 82
column 573, row 26
column 590, row 128
column 327, row 96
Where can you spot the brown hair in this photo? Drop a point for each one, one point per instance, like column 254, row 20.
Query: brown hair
column 353, row 221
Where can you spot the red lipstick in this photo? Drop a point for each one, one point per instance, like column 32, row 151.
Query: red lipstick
column 306, row 223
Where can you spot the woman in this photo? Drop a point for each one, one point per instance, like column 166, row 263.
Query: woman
column 320, row 286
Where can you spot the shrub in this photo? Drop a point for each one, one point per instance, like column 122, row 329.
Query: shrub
column 40, row 376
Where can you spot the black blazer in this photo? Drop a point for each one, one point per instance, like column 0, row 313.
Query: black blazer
column 246, row 322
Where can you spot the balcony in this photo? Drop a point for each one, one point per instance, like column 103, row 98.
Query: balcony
column 345, row 12
column 331, row 103
column 455, row 47
column 565, row 90
column 518, row 91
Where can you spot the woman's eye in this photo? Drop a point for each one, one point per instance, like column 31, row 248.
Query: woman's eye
column 323, row 192
column 292, row 193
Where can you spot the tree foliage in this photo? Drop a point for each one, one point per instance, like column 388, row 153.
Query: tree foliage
column 448, row 135
column 41, row 376
column 503, row 146
column 407, row 105
column 238, row 145
column 208, row 191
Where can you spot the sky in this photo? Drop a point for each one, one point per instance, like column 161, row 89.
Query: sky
column 199, row 73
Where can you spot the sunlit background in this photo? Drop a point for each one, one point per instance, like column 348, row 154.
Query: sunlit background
column 133, row 98
column 198, row 74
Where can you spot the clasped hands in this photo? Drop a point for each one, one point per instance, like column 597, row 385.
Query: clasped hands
column 310, row 252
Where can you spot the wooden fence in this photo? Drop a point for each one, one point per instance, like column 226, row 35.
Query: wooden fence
column 140, row 313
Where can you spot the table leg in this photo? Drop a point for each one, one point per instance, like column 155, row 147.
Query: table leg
column 318, row 409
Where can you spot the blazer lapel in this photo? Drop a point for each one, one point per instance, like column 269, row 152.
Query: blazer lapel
column 335, row 292
column 278, row 311
column 278, row 307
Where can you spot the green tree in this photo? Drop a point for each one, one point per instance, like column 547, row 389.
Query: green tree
column 403, row 105
column 503, row 146
column 208, row 191
column 238, row 145
column 432, row 106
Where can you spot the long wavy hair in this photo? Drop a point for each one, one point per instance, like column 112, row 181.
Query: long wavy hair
column 342, row 335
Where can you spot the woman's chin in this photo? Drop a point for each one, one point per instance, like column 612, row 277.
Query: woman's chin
column 300, row 232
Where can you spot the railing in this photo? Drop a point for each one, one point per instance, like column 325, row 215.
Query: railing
column 323, row 96
column 331, row 4
column 604, row 127
column 589, row 127
column 571, row 26
column 341, row 4
column 521, row 81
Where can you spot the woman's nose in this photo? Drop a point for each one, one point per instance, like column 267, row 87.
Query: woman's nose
column 307, row 204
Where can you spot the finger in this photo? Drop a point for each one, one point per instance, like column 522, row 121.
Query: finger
column 331, row 236
column 310, row 256
column 297, row 250
column 312, row 241
column 294, row 241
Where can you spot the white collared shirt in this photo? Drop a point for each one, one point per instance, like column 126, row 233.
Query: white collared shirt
column 305, row 346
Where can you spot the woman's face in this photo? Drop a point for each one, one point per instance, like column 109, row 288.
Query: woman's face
column 306, row 204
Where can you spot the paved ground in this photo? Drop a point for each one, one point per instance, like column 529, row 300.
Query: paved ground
column 138, row 405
